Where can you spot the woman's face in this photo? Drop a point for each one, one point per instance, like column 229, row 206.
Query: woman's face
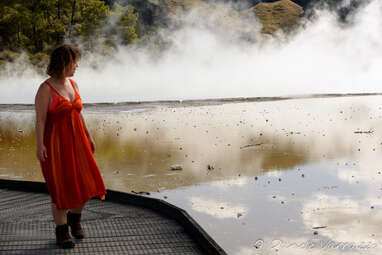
column 71, row 69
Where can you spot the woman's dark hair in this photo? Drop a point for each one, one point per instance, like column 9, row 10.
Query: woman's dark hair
column 61, row 57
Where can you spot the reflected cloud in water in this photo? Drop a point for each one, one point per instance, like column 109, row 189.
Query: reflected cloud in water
column 227, row 210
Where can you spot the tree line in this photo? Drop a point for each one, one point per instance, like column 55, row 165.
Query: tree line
column 37, row 26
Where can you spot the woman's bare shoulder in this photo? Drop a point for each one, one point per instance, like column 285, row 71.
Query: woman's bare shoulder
column 43, row 89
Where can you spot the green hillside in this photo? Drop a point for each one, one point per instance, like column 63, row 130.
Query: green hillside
column 36, row 27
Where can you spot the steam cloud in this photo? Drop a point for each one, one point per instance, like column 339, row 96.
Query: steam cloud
column 322, row 57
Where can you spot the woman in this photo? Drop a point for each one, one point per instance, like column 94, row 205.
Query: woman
column 65, row 147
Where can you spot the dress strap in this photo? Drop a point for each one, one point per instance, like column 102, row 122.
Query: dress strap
column 74, row 87
column 52, row 90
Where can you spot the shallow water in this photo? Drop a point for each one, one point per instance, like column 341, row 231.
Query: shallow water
column 257, row 176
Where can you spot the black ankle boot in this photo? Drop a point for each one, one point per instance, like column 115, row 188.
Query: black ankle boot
column 63, row 238
column 74, row 220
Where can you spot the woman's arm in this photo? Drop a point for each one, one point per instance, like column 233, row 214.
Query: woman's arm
column 41, row 107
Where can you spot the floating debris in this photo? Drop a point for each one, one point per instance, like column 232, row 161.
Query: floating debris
column 140, row 192
column 251, row 145
column 320, row 227
column 364, row 132
column 176, row 167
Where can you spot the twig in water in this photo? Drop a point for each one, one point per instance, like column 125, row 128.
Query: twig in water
column 251, row 145
column 364, row 132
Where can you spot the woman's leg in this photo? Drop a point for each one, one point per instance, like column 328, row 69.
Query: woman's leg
column 59, row 216
column 74, row 221
column 62, row 231
column 77, row 209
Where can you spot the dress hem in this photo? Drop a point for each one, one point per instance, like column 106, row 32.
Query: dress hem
column 99, row 195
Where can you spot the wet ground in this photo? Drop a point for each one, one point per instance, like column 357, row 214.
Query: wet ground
column 292, row 176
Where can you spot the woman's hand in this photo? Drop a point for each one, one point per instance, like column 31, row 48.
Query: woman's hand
column 42, row 153
column 92, row 143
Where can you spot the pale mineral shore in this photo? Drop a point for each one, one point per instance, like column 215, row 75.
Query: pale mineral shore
column 131, row 105
column 137, row 143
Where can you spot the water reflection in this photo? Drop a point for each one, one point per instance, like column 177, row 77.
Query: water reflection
column 293, row 216
column 208, row 206
column 259, row 177
column 210, row 143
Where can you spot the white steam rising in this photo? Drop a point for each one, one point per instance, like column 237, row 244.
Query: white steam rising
column 324, row 57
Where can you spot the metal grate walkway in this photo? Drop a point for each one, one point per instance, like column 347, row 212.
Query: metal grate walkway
column 27, row 227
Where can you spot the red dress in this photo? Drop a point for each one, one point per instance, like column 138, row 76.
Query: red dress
column 70, row 171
